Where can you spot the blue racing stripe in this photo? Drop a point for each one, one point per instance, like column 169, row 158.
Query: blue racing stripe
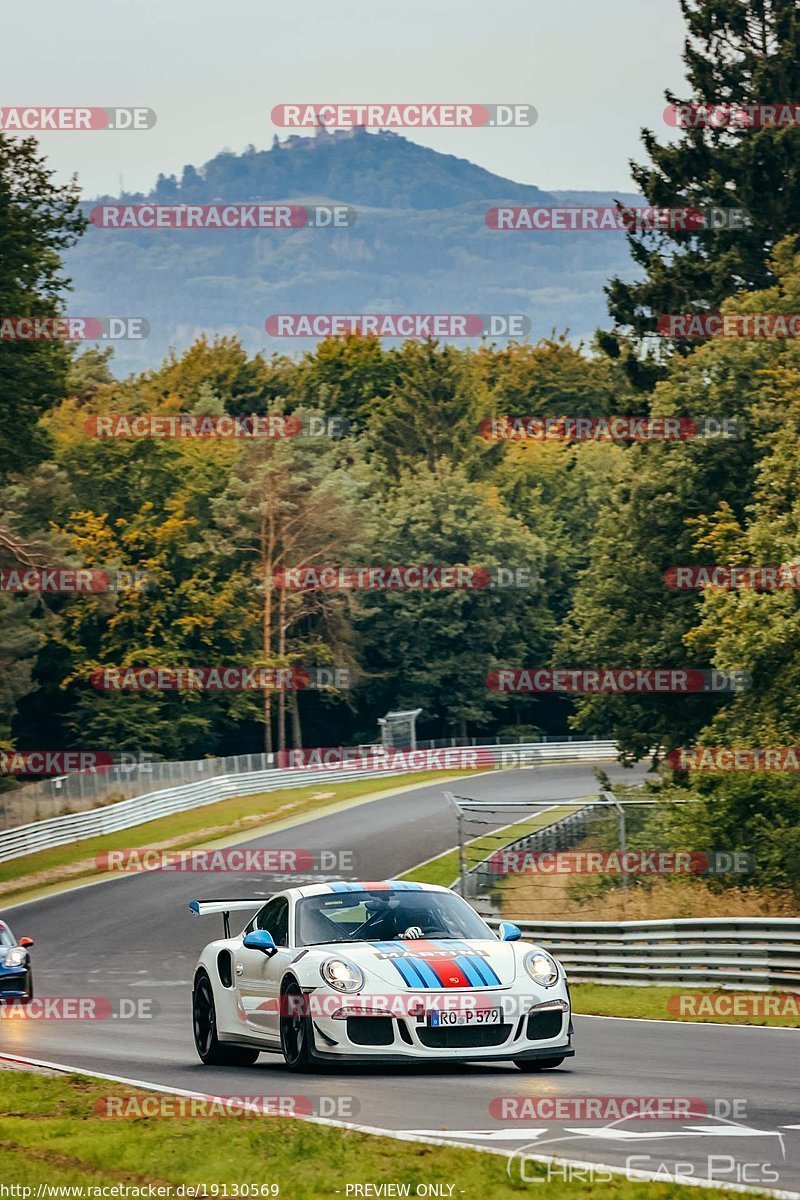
column 466, row 966
column 420, row 972
column 487, row 972
column 406, row 972
column 414, row 971
column 429, row 977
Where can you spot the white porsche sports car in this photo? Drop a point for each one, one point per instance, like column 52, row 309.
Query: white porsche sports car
column 375, row 972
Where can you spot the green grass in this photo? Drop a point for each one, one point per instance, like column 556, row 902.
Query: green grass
column 444, row 868
column 197, row 826
column 49, row 1134
column 616, row 1000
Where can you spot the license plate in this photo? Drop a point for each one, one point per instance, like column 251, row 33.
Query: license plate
column 481, row 1016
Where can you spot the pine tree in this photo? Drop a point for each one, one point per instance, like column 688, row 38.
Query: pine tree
column 431, row 412
column 737, row 52
column 39, row 219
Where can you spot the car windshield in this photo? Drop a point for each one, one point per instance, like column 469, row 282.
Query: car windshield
column 6, row 938
column 385, row 916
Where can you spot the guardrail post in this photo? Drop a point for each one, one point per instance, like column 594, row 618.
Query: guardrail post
column 462, row 849
column 610, row 798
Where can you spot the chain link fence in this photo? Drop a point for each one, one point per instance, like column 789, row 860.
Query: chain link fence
column 136, row 775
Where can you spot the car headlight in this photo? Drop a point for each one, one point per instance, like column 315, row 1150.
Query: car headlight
column 341, row 975
column 16, row 957
column 542, row 968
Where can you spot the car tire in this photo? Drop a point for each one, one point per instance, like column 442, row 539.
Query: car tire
column 297, row 1033
column 537, row 1064
column 211, row 1051
column 26, row 999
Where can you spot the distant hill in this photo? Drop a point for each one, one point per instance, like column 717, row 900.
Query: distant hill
column 381, row 170
column 419, row 244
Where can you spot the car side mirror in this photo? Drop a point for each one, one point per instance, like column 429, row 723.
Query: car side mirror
column 509, row 932
column 25, row 942
column 261, row 939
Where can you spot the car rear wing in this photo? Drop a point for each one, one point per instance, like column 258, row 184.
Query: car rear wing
column 205, row 908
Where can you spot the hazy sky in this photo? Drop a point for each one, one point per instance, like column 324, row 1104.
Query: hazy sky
column 213, row 69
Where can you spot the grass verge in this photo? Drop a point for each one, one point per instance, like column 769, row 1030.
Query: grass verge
column 444, row 868
column 50, row 1135
column 610, row 1000
column 193, row 828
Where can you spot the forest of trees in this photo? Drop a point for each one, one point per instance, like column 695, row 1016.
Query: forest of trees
column 412, row 481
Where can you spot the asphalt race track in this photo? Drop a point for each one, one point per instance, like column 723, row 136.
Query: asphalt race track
column 134, row 937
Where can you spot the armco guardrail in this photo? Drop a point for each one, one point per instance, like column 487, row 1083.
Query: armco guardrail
column 136, row 775
column 751, row 953
column 126, row 814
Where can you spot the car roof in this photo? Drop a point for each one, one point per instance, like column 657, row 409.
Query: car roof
column 343, row 887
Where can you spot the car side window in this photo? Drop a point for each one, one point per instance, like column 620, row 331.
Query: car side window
column 274, row 917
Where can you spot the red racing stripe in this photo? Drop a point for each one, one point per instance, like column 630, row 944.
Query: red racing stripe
column 443, row 966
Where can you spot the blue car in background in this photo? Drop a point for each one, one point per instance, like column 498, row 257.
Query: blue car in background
column 16, row 976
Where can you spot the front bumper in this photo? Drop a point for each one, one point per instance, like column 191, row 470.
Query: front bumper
column 533, row 1033
column 13, row 983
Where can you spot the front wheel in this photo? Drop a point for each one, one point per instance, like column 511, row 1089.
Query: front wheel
column 537, row 1064
column 204, row 1024
column 297, row 1038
